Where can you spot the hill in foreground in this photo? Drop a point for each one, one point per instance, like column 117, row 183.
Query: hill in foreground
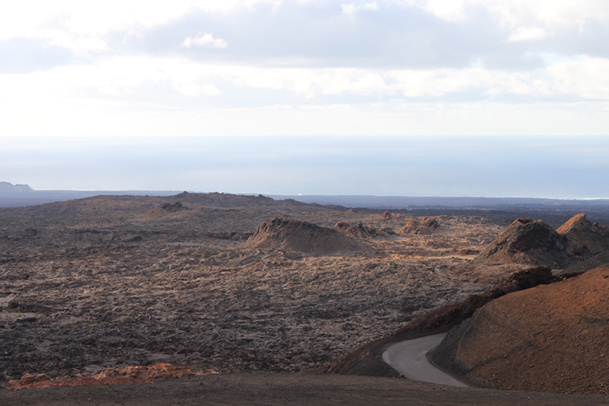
column 551, row 338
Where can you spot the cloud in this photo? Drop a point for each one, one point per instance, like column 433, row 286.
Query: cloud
column 312, row 61
column 24, row 55
column 352, row 8
column 204, row 40
column 527, row 34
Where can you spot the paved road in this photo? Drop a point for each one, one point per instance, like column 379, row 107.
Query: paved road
column 409, row 358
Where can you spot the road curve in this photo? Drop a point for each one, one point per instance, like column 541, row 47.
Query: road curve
column 409, row 358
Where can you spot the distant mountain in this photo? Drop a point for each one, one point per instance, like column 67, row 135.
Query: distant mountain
column 16, row 195
column 10, row 188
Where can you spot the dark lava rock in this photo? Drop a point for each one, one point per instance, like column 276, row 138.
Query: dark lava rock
column 576, row 246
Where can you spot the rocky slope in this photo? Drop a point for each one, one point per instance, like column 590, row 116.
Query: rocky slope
column 367, row 359
column 549, row 338
column 575, row 246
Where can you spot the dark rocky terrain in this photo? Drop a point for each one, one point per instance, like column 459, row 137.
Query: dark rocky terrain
column 113, row 281
column 250, row 284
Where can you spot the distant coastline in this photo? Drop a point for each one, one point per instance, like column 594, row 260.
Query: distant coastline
column 553, row 210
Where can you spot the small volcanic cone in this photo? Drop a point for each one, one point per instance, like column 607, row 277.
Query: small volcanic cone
column 576, row 246
column 303, row 237
column 427, row 225
column 588, row 244
column 550, row 338
column 527, row 242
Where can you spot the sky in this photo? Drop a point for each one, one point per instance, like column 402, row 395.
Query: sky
column 307, row 96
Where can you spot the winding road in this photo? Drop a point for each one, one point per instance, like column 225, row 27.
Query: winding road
column 409, row 358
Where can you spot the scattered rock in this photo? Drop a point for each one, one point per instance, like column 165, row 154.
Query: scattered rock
column 118, row 376
column 361, row 230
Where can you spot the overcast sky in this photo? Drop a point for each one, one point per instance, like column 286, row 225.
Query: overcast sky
column 185, row 68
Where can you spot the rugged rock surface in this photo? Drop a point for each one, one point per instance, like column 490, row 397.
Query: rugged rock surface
column 527, row 242
column 300, row 236
column 549, row 338
column 576, row 246
column 362, row 230
column 92, row 284
column 587, row 243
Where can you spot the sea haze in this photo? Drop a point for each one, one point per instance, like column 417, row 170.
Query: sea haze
column 518, row 166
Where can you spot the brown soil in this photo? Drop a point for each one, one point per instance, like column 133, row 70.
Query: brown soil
column 549, row 338
column 286, row 389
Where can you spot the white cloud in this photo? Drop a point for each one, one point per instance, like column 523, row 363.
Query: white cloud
column 527, row 34
column 352, row 8
column 348, row 67
column 197, row 90
column 204, row 40
column 586, row 79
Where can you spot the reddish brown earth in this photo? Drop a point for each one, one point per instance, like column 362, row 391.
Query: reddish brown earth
column 286, row 389
column 117, row 376
column 549, row 338
column 367, row 360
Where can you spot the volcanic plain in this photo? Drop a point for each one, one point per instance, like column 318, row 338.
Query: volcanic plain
column 229, row 283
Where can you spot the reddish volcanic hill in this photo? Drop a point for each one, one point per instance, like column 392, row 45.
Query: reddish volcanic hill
column 576, row 246
column 303, row 237
column 550, row 338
